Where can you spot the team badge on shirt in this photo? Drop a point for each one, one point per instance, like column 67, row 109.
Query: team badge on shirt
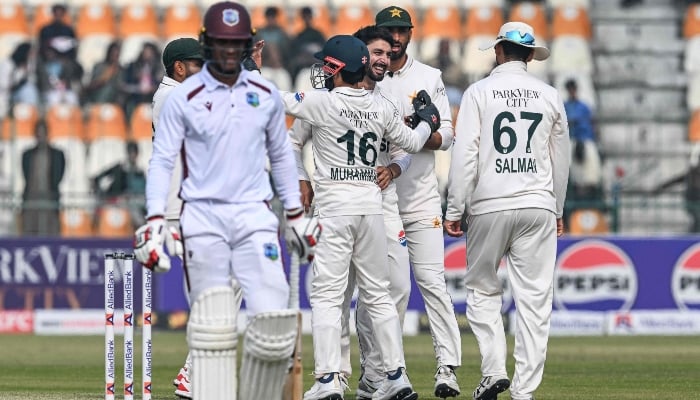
column 252, row 99
column 402, row 238
column 271, row 251
column 299, row 97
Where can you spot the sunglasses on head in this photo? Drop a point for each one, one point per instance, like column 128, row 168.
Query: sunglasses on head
column 517, row 37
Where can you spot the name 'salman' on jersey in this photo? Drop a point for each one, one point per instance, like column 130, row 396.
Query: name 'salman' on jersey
column 516, row 165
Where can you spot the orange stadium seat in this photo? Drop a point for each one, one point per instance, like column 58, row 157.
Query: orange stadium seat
column 552, row 4
column 13, row 19
column 321, row 19
column 64, row 121
column 105, row 120
column 181, row 20
column 691, row 23
column 22, row 125
column 141, row 123
column 588, row 222
column 138, row 20
column 76, row 222
column 694, row 127
column 570, row 20
column 483, row 21
column 440, row 22
column 350, row 17
column 468, row 4
column 114, row 221
column 533, row 14
column 95, row 19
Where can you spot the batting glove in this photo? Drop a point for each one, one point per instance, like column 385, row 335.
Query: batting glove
column 148, row 244
column 302, row 233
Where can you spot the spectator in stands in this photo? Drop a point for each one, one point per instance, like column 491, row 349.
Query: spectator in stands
column 104, row 82
column 691, row 178
column 59, row 76
column 585, row 181
column 57, row 30
column 307, row 42
column 141, row 78
column 43, row 167
column 16, row 85
column 277, row 43
column 124, row 183
column 455, row 80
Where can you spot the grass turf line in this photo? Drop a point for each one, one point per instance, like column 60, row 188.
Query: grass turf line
column 620, row 368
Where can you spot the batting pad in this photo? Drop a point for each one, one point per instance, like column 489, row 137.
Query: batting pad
column 212, row 338
column 268, row 345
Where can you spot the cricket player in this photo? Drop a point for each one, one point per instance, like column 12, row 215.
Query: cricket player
column 509, row 168
column 392, row 160
column 348, row 125
column 419, row 199
column 225, row 121
column 182, row 58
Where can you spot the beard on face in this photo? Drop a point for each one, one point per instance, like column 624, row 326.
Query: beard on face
column 398, row 54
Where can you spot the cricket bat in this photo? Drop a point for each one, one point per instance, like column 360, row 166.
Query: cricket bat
column 294, row 386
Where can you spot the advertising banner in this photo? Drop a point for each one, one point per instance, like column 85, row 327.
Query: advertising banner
column 611, row 274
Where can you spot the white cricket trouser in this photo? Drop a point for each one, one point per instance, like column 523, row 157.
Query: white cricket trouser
column 528, row 239
column 224, row 241
column 400, row 290
column 359, row 238
column 426, row 249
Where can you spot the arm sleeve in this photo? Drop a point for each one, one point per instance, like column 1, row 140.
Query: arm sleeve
column 561, row 157
column 465, row 156
column 442, row 103
column 401, row 135
column 308, row 106
column 299, row 134
column 282, row 160
column 398, row 156
column 167, row 143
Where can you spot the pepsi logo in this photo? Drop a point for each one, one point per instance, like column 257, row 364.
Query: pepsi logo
column 685, row 282
column 456, row 269
column 594, row 275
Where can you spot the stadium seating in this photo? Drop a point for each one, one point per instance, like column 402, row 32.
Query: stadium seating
column 138, row 24
column 570, row 53
column 114, row 221
column 483, row 21
column 141, row 131
column 571, row 21
column 694, row 127
column 76, row 223
column 440, row 22
column 181, row 21
column 18, row 136
column 468, row 4
column 691, row 22
column 586, row 90
column 350, row 17
column 561, row 3
column 257, row 16
column 13, row 28
column 96, row 29
column 65, row 132
column 106, row 134
column 588, row 222
column 42, row 16
column 692, row 55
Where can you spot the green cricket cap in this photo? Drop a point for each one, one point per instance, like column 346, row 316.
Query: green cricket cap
column 394, row 16
column 180, row 50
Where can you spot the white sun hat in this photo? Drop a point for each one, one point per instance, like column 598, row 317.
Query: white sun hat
column 521, row 34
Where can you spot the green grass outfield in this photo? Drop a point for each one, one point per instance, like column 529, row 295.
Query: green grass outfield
column 641, row 367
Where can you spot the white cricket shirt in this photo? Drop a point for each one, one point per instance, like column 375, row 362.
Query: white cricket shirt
column 512, row 146
column 172, row 211
column 348, row 126
column 417, row 187
column 224, row 133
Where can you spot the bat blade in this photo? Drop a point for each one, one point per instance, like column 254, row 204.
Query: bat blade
column 294, row 386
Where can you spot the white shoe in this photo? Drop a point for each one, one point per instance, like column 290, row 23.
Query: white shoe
column 328, row 387
column 446, row 382
column 490, row 387
column 184, row 388
column 344, row 382
column 395, row 386
column 365, row 388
